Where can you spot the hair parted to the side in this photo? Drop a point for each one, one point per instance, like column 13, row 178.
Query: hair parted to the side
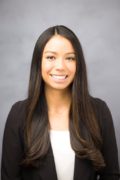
column 84, row 129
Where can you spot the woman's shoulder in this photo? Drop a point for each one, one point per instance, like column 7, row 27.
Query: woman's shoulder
column 14, row 127
column 97, row 101
column 99, row 105
column 17, row 114
column 102, row 112
column 21, row 104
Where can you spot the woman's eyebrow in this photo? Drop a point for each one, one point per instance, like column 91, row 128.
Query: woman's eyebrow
column 53, row 52
column 71, row 53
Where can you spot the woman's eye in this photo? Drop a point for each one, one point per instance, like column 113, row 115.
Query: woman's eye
column 70, row 58
column 50, row 58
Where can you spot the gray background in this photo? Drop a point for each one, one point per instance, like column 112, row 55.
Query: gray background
column 96, row 23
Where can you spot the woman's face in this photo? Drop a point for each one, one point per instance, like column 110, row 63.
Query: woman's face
column 58, row 63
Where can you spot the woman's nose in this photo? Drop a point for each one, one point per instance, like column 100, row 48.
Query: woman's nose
column 60, row 63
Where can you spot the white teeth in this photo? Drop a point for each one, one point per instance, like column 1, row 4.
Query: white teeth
column 62, row 77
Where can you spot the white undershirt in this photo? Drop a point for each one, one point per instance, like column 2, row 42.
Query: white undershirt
column 64, row 156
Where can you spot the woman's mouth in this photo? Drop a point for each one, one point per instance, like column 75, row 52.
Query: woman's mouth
column 59, row 77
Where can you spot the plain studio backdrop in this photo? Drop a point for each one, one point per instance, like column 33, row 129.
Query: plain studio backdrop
column 95, row 22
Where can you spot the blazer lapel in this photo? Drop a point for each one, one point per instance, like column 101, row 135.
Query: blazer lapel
column 47, row 168
column 83, row 169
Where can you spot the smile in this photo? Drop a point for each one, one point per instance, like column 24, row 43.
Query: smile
column 59, row 77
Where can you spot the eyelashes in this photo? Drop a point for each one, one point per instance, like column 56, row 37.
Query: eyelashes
column 51, row 58
column 70, row 58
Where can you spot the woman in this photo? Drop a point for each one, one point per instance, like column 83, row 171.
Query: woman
column 59, row 131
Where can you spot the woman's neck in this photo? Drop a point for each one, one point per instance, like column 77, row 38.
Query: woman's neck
column 57, row 100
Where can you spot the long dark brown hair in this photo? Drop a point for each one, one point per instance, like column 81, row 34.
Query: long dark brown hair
column 84, row 128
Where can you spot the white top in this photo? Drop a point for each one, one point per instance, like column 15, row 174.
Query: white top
column 64, row 156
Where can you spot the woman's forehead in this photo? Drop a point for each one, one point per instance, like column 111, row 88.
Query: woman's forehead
column 58, row 42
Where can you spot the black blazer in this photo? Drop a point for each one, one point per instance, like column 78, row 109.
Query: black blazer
column 13, row 150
